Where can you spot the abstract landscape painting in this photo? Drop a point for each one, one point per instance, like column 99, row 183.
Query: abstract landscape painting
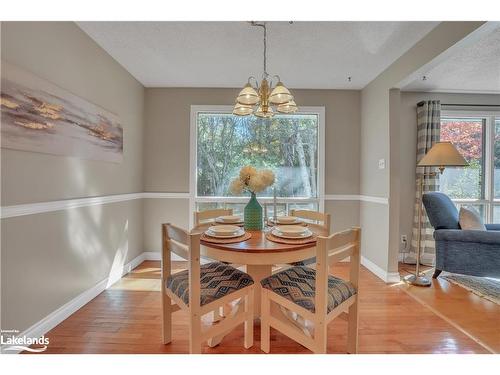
column 39, row 116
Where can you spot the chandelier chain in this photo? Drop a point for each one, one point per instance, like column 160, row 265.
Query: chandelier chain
column 263, row 25
column 265, row 50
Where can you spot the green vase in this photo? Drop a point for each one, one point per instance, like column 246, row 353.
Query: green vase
column 253, row 214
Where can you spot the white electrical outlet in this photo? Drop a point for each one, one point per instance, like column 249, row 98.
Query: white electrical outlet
column 404, row 241
column 381, row 164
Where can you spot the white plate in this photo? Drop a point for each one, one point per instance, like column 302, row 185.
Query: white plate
column 278, row 233
column 291, row 230
column 295, row 222
column 229, row 219
column 286, row 219
column 225, row 231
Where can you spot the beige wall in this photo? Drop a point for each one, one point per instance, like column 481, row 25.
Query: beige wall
column 380, row 127
column 374, row 181
column 408, row 145
column 48, row 259
column 166, row 157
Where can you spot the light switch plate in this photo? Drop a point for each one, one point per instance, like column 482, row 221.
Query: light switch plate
column 381, row 163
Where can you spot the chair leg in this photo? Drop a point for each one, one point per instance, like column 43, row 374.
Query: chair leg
column 352, row 329
column 167, row 318
column 216, row 315
column 265, row 329
column 436, row 273
column 320, row 333
column 226, row 309
column 249, row 302
column 195, row 334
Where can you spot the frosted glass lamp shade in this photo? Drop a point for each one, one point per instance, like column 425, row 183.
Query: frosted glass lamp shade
column 280, row 95
column 248, row 96
column 442, row 154
column 242, row 110
column 289, row 107
column 260, row 113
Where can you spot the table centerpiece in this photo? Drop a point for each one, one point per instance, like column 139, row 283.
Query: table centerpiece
column 253, row 181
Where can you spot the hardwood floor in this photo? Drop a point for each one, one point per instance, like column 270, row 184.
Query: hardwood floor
column 126, row 319
column 473, row 315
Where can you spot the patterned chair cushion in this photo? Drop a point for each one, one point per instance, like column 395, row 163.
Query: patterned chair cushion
column 304, row 262
column 217, row 280
column 297, row 284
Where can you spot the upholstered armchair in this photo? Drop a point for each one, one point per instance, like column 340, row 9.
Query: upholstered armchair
column 468, row 252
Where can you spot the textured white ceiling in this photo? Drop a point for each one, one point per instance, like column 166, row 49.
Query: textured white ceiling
column 475, row 68
column 223, row 54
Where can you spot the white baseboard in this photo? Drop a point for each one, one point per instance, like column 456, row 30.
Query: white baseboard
column 388, row 277
column 41, row 327
column 410, row 258
column 156, row 255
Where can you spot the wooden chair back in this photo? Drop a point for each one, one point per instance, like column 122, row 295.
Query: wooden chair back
column 202, row 216
column 178, row 241
column 330, row 250
column 320, row 218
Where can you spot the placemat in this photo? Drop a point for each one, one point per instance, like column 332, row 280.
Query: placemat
column 245, row 237
column 298, row 241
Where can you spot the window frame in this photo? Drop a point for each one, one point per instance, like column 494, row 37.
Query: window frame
column 488, row 187
column 225, row 109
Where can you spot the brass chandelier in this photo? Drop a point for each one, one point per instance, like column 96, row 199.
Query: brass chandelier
column 260, row 100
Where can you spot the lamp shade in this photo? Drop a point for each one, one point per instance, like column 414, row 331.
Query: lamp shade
column 248, row 96
column 289, row 107
column 442, row 154
column 264, row 114
column 280, row 94
column 242, row 110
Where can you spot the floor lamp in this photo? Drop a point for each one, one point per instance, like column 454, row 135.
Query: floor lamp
column 441, row 155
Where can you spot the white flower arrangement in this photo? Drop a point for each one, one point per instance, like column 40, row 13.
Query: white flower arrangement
column 251, row 180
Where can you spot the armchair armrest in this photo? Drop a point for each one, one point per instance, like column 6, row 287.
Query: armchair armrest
column 491, row 237
column 492, row 226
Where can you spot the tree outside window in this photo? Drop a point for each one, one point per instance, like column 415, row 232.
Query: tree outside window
column 287, row 144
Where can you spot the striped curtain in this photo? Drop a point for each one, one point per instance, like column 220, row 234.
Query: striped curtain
column 428, row 128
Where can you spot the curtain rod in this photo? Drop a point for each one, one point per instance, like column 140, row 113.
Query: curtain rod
column 460, row 105
column 471, row 105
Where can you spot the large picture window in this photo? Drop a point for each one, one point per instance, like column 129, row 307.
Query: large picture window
column 476, row 135
column 290, row 145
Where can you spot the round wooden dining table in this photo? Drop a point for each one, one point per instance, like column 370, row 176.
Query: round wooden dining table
column 259, row 255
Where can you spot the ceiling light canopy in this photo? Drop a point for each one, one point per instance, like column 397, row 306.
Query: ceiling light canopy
column 265, row 95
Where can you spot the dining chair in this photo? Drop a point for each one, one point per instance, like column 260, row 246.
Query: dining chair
column 202, row 289
column 321, row 222
column 201, row 220
column 201, row 217
column 314, row 295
